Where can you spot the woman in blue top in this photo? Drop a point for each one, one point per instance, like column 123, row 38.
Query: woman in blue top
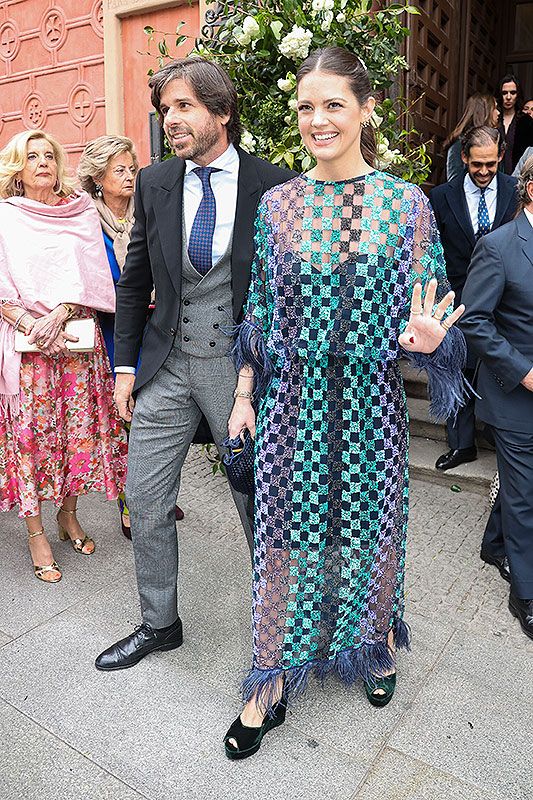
column 107, row 171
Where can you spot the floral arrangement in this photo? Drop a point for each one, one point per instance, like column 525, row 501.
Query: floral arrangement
column 261, row 45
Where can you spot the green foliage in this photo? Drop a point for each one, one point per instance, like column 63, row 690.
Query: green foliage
column 261, row 45
column 213, row 456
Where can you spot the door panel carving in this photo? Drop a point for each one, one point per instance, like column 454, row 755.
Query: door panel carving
column 51, row 70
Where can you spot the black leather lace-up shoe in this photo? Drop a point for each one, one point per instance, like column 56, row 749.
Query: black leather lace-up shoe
column 144, row 640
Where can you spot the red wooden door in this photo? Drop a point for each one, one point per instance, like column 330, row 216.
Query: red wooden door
column 51, row 70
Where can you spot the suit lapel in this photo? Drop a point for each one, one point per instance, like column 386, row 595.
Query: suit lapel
column 168, row 204
column 505, row 194
column 457, row 202
column 525, row 231
column 248, row 194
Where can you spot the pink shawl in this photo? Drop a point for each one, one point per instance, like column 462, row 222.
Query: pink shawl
column 48, row 255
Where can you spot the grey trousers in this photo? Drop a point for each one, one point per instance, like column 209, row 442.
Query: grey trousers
column 167, row 412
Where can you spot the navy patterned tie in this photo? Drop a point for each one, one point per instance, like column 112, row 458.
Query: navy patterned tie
column 203, row 227
column 483, row 221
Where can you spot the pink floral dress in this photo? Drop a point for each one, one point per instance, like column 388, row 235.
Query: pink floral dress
column 67, row 438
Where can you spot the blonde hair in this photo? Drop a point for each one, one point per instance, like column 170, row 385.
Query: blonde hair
column 95, row 159
column 13, row 159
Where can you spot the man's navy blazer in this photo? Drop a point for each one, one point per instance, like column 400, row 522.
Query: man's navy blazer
column 498, row 323
column 455, row 227
column 155, row 253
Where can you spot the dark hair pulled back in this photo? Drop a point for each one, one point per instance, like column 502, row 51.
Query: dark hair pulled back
column 519, row 92
column 338, row 61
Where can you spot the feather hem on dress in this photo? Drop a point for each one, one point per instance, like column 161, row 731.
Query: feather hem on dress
column 363, row 661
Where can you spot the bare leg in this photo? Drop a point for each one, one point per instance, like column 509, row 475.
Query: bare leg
column 253, row 714
column 70, row 523
column 40, row 550
column 390, row 643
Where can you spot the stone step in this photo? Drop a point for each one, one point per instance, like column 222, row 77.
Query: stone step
column 421, row 424
column 473, row 477
column 415, row 381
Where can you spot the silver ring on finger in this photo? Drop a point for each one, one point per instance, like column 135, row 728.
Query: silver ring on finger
column 417, row 313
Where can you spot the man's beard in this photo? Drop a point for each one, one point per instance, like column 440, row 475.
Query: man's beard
column 201, row 143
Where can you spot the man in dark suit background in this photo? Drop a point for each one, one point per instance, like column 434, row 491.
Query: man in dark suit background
column 498, row 324
column 193, row 242
column 466, row 208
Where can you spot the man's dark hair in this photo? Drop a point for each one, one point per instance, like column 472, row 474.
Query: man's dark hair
column 209, row 82
column 482, row 137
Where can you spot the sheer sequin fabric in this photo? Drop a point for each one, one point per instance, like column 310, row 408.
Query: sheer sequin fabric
column 330, row 291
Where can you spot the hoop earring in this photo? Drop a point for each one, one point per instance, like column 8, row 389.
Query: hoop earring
column 98, row 189
column 18, row 185
column 365, row 123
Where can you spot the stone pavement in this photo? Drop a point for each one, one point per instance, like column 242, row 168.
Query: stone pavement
column 459, row 727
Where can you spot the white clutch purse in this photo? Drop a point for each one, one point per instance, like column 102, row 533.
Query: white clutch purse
column 84, row 329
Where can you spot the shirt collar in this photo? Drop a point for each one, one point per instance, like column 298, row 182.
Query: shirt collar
column 471, row 188
column 227, row 162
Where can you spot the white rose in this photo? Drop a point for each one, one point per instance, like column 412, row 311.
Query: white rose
column 241, row 37
column 328, row 19
column 318, row 5
column 296, row 43
column 285, row 85
column 251, row 27
column 248, row 142
column 325, row 25
column 329, row 4
column 341, row 17
column 293, row 104
column 387, row 157
column 375, row 120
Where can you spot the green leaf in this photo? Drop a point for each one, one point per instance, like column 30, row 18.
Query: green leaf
column 148, row 30
column 288, row 157
column 276, row 27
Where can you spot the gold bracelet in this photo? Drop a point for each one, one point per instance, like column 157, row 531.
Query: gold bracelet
column 69, row 308
column 242, row 393
column 19, row 319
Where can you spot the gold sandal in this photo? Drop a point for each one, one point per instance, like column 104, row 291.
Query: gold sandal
column 77, row 544
column 40, row 572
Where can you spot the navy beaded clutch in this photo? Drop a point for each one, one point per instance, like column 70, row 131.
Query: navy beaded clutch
column 239, row 463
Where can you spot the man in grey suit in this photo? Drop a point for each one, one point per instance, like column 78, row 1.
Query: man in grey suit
column 498, row 324
column 193, row 242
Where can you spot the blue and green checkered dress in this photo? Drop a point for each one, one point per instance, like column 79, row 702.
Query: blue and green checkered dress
column 330, row 291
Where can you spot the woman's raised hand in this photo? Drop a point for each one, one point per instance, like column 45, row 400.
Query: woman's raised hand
column 425, row 329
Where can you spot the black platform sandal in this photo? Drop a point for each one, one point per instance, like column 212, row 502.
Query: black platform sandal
column 385, row 686
column 249, row 739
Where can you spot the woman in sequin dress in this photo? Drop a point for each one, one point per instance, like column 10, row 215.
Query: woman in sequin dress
column 342, row 254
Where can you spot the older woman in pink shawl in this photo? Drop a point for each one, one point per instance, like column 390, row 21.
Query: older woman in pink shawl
column 60, row 435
